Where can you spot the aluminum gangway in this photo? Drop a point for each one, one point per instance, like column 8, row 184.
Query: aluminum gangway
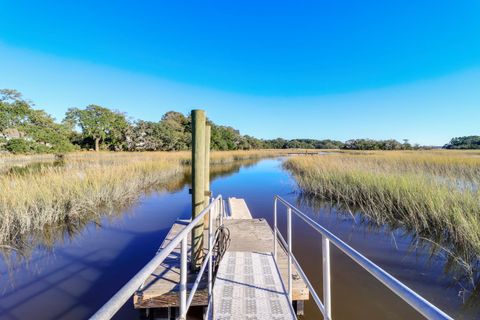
column 269, row 280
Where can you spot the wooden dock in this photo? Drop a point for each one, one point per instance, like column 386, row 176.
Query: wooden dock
column 161, row 289
column 238, row 209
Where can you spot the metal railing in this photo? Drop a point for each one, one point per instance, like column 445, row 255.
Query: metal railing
column 118, row 300
column 424, row 307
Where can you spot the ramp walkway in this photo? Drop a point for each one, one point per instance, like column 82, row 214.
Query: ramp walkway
column 248, row 271
column 248, row 286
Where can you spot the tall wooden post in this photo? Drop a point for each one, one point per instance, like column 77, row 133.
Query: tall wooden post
column 198, row 185
column 208, row 194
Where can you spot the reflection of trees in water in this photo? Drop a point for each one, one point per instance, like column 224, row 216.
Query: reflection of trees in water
column 461, row 267
column 216, row 171
column 20, row 246
column 229, row 169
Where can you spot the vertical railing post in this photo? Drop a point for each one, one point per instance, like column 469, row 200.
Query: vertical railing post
column 222, row 211
column 183, row 278
column 275, row 229
column 289, row 239
column 208, row 193
column 210, row 249
column 326, row 278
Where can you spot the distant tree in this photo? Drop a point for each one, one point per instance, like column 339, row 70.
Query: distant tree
column 254, row 143
column 370, row 144
column 14, row 110
column 175, row 131
column 171, row 133
column 99, row 124
column 306, row 144
column 144, row 136
column 468, row 142
column 328, row 144
column 226, row 138
column 277, row 143
column 24, row 129
column 176, row 120
column 407, row 145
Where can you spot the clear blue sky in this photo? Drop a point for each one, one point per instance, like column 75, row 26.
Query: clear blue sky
column 319, row 69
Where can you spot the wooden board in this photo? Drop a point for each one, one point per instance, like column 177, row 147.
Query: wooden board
column 161, row 289
column 255, row 235
column 238, row 209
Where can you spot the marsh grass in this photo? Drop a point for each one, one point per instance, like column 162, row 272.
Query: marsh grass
column 433, row 194
column 54, row 196
column 41, row 201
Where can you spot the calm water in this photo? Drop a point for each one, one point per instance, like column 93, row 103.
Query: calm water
column 81, row 272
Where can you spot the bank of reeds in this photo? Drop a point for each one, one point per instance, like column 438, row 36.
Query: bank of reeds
column 80, row 187
column 434, row 194
column 53, row 195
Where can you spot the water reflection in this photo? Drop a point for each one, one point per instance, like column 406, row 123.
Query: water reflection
column 20, row 246
column 77, row 265
column 456, row 271
column 458, row 260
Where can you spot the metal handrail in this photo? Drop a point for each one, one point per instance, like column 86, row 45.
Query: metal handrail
column 118, row 300
column 419, row 303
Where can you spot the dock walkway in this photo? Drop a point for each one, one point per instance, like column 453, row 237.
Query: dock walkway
column 161, row 289
column 247, row 236
column 248, row 286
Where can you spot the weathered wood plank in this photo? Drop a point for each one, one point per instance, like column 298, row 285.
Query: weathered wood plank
column 161, row 289
column 238, row 209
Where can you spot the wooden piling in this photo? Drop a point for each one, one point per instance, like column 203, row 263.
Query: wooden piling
column 208, row 194
column 198, row 185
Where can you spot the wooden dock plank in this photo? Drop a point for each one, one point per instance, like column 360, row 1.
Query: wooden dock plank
column 161, row 288
column 238, row 209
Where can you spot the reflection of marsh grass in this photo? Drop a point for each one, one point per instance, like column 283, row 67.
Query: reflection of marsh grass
column 468, row 274
column 459, row 274
column 417, row 191
column 41, row 202
column 64, row 195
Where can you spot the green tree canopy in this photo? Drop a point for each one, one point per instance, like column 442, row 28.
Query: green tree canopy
column 370, row 144
column 99, row 124
column 24, row 129
column 468, row 142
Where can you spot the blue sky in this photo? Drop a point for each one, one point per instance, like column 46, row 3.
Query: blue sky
column 338, row 69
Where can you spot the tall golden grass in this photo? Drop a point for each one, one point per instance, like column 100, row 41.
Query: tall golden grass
column 85, row 185
column 31, row 201
column 434, row 193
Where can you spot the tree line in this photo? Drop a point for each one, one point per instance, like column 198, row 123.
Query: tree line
column 468, row 142
column 24, row 129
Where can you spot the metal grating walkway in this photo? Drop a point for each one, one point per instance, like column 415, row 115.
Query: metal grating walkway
column 248, row 286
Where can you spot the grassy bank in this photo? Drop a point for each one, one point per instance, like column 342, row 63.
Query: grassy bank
column 42, row 195
column 55, row 195
column 435, row 193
